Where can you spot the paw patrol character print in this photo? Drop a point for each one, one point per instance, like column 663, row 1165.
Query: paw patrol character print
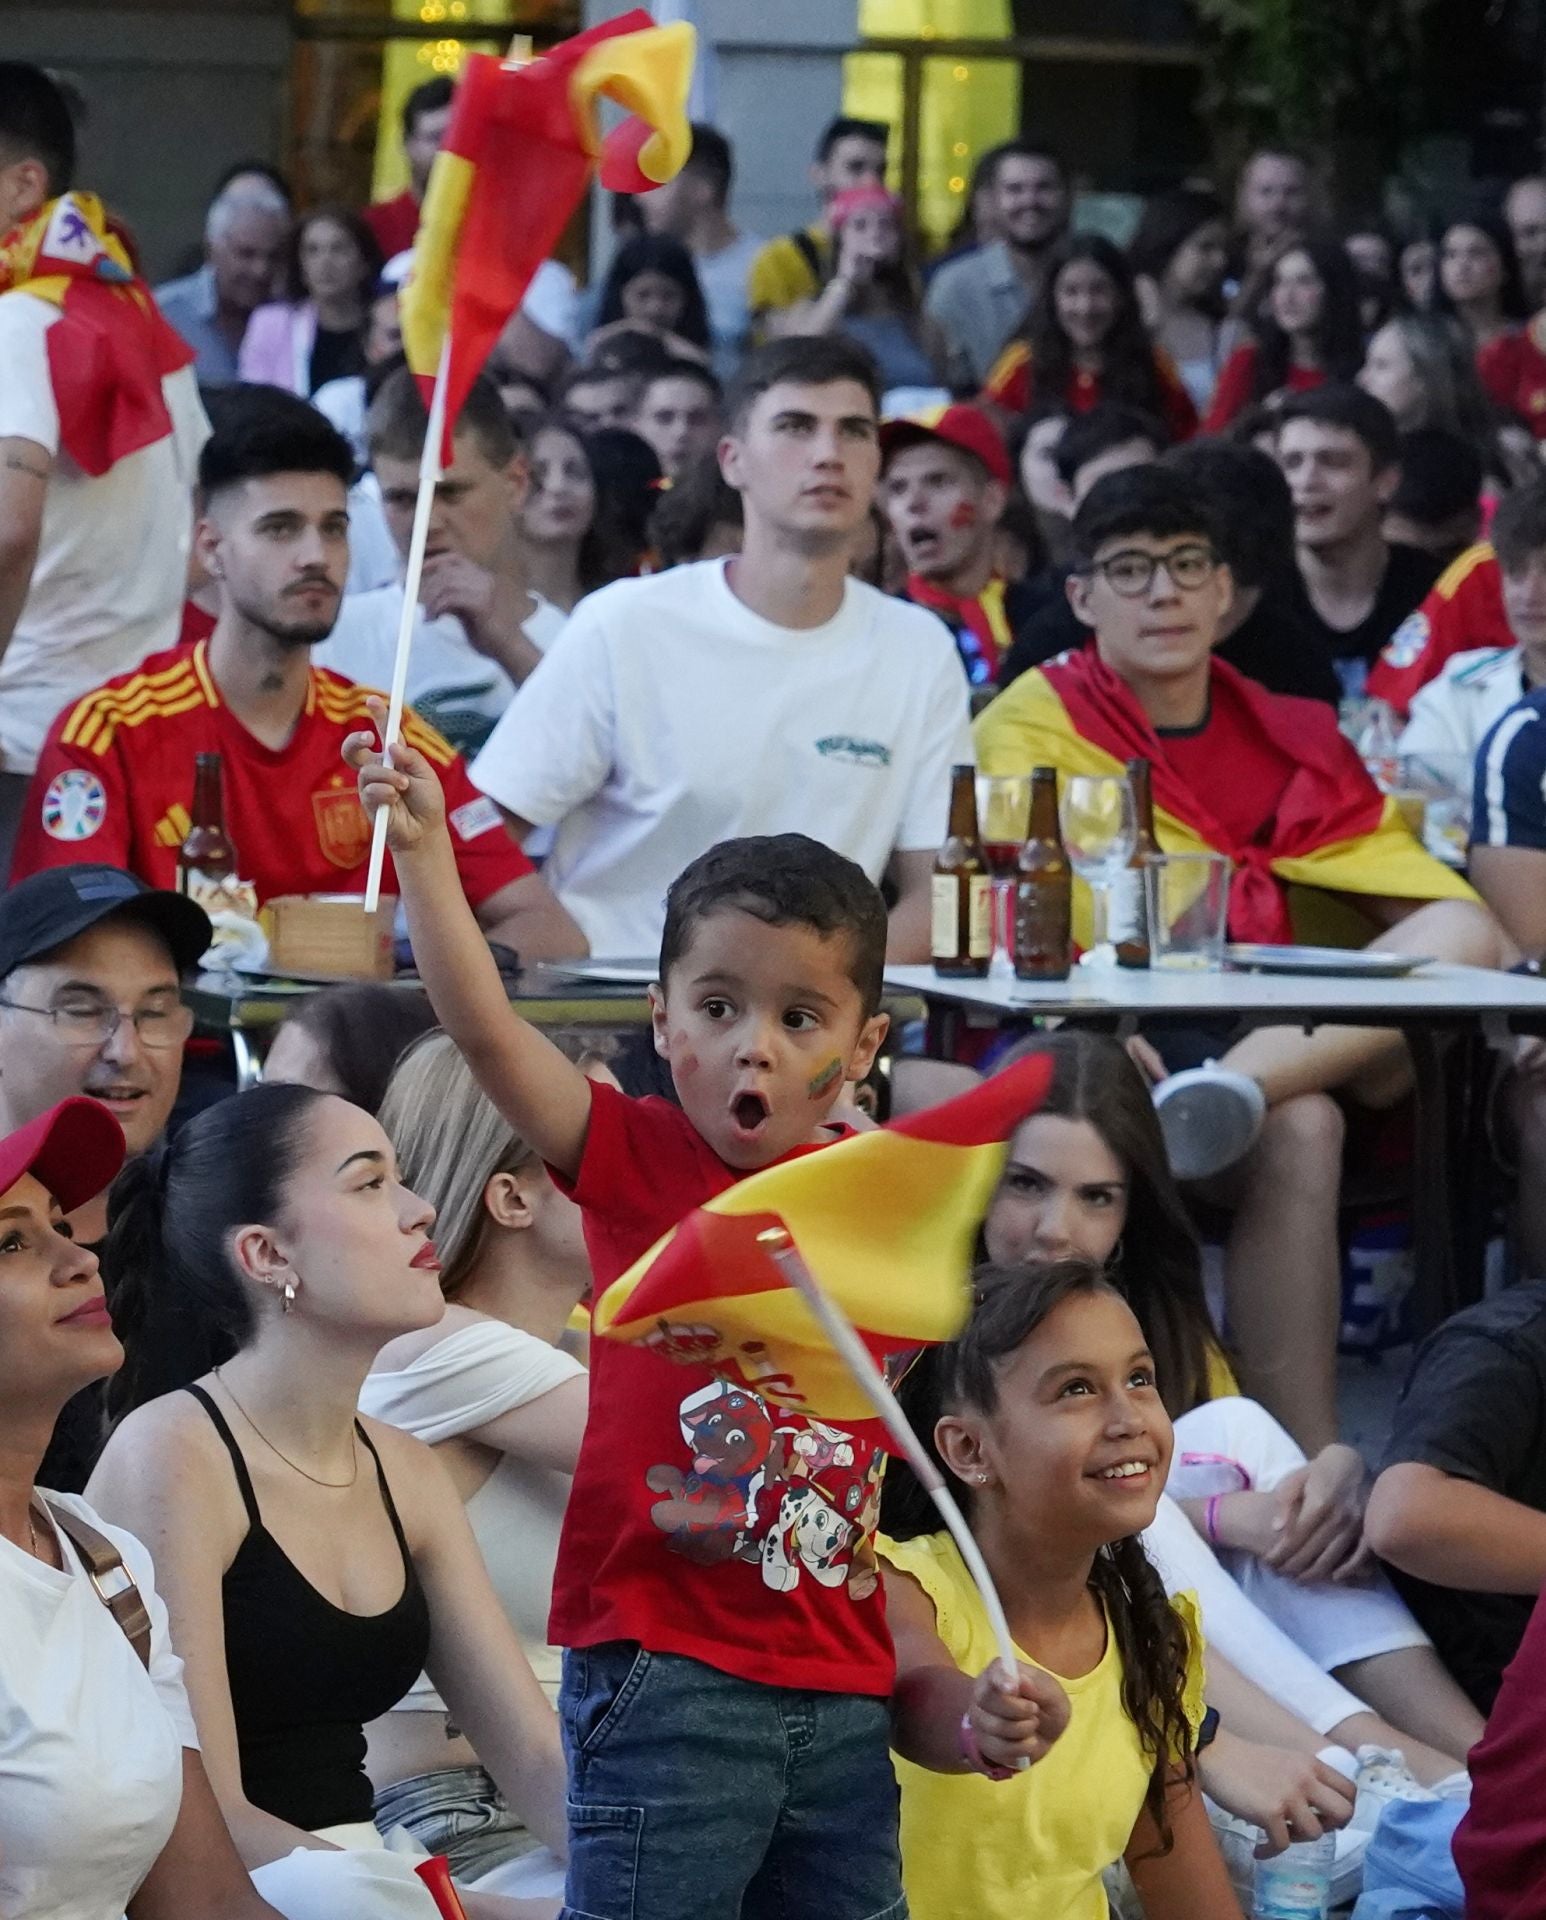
column 826, row 1514
column 711, row 1511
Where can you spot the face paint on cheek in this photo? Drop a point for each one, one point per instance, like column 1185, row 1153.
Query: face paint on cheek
column 683, row 1065
column 821, row 1084
column 963, row 515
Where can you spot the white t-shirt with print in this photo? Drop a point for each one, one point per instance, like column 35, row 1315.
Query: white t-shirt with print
column 112, row 565
column 90, row 1743
column 668, row 716
column 458, row 690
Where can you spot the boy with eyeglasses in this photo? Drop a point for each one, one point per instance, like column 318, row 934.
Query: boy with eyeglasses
column 1268, row 780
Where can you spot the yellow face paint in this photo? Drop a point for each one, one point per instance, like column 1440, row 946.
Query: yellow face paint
column 821, row 1084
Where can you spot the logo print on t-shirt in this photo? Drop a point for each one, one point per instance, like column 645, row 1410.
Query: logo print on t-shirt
column 74, row 806
column 862, row 753
column 343, row 832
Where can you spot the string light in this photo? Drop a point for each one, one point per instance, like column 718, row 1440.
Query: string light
column 957, row 184
column 960, row 73
column 960, row 149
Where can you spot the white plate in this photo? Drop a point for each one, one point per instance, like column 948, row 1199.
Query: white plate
column 1354, row 962
column 611, row 973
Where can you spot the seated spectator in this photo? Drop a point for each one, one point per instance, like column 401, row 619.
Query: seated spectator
column 1373, row 254
column 1479, row 280
column 628, row 484
column 246, row 234
column 97, row 447
column 1180, row 255
column 1305, row 330
column 871, row 293
column 114, row 776
column 1340, row 454
column 697, row 519
column 426, row 116
column 318, row 333
column 562, row 544
column 90, row 1690
column 601, row 396
column 503, row 1408
column 774, row 692
column 1500, row 1845
column 1524, row 208
column 652, row 287
column 348, row 1040
column 277, row 1219
column 1422, row 367
column 850, row 153
column 694, row 208
column 1085, row 343
column 1463, row 613
column 1513, row 370
column 1456, row 712
column 1035, row 443
column 1417, row 268
column 679, row 414
column 1459, row 1509
column 479, row 628
column 944, row 482
column 1274, row 203
column 1295, row 805
column 1437, row 504
column 984, row 297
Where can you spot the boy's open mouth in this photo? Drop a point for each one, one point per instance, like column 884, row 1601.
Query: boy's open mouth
column 749, row 1111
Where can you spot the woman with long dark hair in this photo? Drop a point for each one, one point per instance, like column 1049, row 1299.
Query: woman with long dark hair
column 1086, row 342
column 1180, row 255
column 317, row 334
column 1479, row 281
column 1305, row 330
column 564, row 539
column 652, row 285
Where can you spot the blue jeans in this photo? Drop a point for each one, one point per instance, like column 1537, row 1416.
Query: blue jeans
column 697, row 1796
column 457, row 1811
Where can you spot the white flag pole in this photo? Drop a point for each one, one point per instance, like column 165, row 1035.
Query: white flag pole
column 429, row 473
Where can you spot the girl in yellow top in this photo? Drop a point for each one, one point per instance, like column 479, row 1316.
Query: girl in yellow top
column 1047, row 1414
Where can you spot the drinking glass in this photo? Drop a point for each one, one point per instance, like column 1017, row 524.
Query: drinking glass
column 1099, row 826
column 1003, row 821
column 1188, row 902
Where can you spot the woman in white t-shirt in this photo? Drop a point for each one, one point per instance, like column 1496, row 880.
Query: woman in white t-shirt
column 489, row 1389
column 104, row 1805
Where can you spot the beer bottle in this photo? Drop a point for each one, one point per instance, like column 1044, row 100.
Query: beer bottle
column 206, row 860
column 961, row 940
column 1045, row 888
column 1129, row 902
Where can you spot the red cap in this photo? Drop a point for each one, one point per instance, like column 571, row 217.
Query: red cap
column 958, row 425
column 74, row 1150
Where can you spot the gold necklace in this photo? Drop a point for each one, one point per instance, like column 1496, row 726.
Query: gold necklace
column 337, row 1486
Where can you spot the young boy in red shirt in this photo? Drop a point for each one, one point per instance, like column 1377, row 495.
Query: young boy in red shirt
column 725, row 1695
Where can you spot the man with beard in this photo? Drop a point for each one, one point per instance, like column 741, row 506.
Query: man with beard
column 115, row 779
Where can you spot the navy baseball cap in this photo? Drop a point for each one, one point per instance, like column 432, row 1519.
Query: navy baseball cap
column 50, row 908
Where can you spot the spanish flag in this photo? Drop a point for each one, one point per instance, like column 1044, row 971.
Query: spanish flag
column 519, row 153
column 1332, row 827
column 887, row 1223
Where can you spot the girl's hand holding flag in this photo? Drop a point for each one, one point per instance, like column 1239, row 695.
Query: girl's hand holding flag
column 400, row 780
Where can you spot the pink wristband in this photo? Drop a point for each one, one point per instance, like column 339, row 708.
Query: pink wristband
column 1210, row 1518
column 972, row 1754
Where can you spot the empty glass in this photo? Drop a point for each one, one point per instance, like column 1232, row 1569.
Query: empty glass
column 1099, row 826
column 1441, row 782
column 1188, row 900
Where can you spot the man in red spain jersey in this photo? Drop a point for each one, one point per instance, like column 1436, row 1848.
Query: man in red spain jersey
column 115, row 777
column 1463, row 611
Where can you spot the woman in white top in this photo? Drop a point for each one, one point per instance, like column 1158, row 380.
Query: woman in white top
column 104, row 1805
column 504, row 1409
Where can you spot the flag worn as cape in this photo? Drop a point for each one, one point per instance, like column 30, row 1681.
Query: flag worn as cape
column 517, row 156
column 110, row 348
column 1333, row 828
column 887, row 1223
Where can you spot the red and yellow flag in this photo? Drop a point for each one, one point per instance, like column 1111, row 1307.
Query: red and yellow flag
column 886, row 1221
column 519, row 153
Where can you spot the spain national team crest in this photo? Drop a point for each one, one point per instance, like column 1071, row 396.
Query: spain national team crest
column 74, row 805
column 343, row 832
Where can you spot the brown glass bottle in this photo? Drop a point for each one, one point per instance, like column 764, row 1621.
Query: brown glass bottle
column 1129, row 902
column 1044, row 890
column 207, row 857
column 961, row 924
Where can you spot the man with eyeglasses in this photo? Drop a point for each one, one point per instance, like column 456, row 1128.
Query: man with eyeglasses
column 91, row 961
column 1268, row 780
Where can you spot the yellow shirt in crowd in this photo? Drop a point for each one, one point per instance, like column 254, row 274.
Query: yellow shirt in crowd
column 781, row 274
column 980, row 1849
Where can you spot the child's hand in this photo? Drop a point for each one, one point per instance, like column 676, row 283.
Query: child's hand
column 1290, row 1796
column 1016, row 1723
column 404, row 782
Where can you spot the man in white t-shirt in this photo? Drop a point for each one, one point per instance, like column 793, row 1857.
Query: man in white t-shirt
column 769, row 693
column 479, row 629
column 92, row 562
column 692, row 208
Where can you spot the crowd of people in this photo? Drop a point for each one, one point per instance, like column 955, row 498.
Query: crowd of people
column 737, row 554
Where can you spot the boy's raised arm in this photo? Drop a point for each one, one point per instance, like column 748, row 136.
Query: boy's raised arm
column 543, row 1095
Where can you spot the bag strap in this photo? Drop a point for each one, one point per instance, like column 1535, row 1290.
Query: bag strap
column 806, row 247
column 108, row 1574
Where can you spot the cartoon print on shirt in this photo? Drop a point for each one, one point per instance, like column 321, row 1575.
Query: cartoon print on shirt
column 709, row 1511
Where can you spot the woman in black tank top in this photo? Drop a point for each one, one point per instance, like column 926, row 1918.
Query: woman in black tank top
column 313, row 1564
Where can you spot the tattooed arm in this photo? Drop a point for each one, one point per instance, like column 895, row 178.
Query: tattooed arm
column 24, row 471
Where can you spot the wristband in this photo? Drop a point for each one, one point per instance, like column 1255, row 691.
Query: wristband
column 973, row 1755
column 1210, row 1518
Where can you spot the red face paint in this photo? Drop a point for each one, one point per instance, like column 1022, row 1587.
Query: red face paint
column 683, row 1066
column 962, row 515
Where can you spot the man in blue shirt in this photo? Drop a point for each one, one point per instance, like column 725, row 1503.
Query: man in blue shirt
column 246, row 234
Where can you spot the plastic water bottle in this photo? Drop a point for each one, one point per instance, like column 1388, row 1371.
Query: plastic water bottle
column 1296, row 1884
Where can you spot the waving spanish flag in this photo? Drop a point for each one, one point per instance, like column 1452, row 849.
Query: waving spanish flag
column 1332, row 827
column 518, row 154
column 887, row 1223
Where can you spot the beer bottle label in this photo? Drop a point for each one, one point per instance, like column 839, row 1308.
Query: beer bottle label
column 945, row 927
column 979, row 911
column 1128, row 917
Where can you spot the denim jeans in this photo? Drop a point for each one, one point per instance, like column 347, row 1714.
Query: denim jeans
column 457, row 1811
column 697, row 1796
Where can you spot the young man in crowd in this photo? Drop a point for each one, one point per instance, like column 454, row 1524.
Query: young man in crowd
column 694, row 208
column 100, row 429
column 1340, row 453
column 767, row 693
column 1270, row 782
column 1459, row 1509
column 426, row 116
column 978, row 300
column 680, row 413
column 792, row 268
column 246, row 236
column 601, row 397
column 115, row 779
column 479, row 630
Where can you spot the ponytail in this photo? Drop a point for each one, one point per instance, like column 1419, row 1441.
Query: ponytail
column 180, row 1306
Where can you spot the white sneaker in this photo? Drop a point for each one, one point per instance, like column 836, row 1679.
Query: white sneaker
column 1210, row 1118
column 1383, row 1776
